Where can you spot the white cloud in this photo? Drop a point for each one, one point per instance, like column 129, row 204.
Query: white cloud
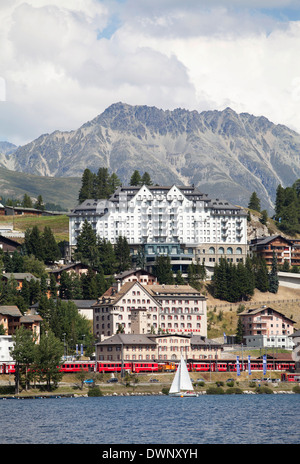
column 63, row 62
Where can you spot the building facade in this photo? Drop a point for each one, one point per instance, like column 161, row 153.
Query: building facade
column 163, row 347
column 144, row 309
column 179, row 221
column 266, row 327
column 286, row 250
column 11, row 319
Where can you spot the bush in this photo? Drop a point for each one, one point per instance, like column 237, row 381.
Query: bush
column 165, row 390
column 296, row 389
column 230, row 384
column 199, row 384
column 234, row 391
column 215, row 391
column 264, row 389
column 7, row 390
column 95, row 391
column 220, row 383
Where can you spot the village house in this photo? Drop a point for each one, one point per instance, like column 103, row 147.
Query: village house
column 266, row 327
column 9, row 245
column 19, row 277
column 11, row 319
column 136, row 275
column 77, row 268
column 145, row 309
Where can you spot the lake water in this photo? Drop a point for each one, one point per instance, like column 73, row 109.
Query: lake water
column 208, row 419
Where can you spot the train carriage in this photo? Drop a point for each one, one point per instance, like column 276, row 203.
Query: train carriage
column 144, row 367
column 78, row 366
column 113, row 366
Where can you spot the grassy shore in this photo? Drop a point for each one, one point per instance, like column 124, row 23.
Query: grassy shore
column 71, row 386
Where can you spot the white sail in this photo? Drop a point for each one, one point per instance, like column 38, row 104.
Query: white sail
column 185, row 381
column 175, row 387
column 181, row 381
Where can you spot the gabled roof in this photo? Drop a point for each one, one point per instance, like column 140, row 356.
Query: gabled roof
column 271, row 238
column 10, row 311
column 112, row 296
column 127, row 339
column 253, row 311
column 20, row 276
column 158, row 290
column 129, row 272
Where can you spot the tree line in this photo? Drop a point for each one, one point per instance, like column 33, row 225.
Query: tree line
column 237, row 282
column 102, row 185
column 287, row 208
column 27, row 202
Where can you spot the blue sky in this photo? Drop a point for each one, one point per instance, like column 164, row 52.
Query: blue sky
column 63, row 62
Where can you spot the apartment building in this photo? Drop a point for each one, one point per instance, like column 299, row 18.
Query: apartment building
column 179, row 221
column 266, row 246
column 134, row 308
column 267, row 327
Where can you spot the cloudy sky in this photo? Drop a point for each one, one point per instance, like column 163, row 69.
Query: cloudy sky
column 62, row 62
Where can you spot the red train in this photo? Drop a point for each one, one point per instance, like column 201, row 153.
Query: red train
column 290, row 377
column 154, row 366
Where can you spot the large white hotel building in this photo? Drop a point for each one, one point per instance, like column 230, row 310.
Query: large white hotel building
column 179, row 221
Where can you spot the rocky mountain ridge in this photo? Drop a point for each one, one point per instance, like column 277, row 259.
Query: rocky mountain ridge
column 225, row 154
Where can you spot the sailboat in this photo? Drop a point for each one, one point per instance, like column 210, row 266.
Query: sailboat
column 182, row 385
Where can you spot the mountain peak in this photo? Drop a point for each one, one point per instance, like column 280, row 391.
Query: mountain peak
column 226, row 154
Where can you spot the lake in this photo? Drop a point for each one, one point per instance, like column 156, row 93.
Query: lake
column 208, row 419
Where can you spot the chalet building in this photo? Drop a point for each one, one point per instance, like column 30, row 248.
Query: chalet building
column 77, row 268
column 267, row 327
column 9, row 245
column 19, row 277
column 167, row 347
column 136, row 275
column 20, row 211
column 285, row 250
column 134, row 308
column 11, row 319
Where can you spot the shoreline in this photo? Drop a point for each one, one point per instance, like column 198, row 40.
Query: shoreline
column 103, row 395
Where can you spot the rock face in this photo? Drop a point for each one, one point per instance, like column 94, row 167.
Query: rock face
column 225, row 154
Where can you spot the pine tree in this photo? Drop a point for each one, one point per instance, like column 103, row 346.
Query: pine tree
column 102, row 186
column 179, row 280
column 254, row 202
column 122, row 253
column 33, row 243
column 135, row 178
column 39, row 204
column 87, row 186
column 273, row 276
column 262, row 278
column 279, row 202
column 239, row 331
column 51, row 250
column 26, row 202
column 113, row 182
column 146, row 179
column 163, row 270
column 86, row 247
column 107, row 256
